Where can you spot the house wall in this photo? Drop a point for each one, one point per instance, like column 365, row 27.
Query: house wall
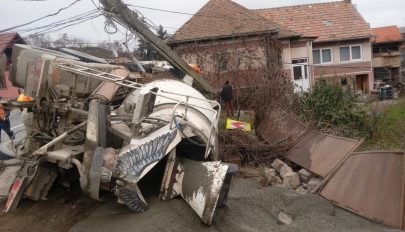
column 246, row 60
column 298, row 49
column 7, row 90
column 365, row 44
column 10, row 92
column 351, row 69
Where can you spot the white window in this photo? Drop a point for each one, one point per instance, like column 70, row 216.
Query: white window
column 350, row 53
column 322, row 56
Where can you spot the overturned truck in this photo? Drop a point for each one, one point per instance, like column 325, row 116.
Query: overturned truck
column 94, row 122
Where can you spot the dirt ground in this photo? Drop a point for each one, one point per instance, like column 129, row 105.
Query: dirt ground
column 251, row 207
column 58, row 213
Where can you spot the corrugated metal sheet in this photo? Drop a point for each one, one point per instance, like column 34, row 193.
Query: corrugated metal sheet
column 279, row 128
column 321, row 153
column 370, row 184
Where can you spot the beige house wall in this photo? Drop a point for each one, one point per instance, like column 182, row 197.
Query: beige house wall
column 246, row 60
column 298, row 50
column 346, row 68
column 366, row 50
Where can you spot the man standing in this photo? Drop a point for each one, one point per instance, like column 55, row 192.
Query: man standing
column 5, row 122
column 227, row 97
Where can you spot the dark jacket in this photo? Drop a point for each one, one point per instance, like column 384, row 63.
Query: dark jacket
column 226, row 93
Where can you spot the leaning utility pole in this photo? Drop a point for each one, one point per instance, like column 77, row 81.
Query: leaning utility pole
column 123, row 15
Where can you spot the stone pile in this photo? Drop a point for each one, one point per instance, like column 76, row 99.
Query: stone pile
column 282, row 175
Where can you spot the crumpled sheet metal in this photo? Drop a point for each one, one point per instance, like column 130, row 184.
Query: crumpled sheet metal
column 321, row 153
column 370, row 184
column 279, row 129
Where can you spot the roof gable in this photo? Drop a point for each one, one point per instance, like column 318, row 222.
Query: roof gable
column 7, row 38
column 327, row 21
column 386, row 34
column 224, row 18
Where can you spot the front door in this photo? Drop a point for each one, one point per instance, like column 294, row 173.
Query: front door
column 362, row 83
column 300, row 75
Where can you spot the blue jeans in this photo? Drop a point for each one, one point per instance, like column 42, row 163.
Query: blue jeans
column 5, row 126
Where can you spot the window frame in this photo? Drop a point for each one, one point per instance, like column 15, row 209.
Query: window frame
column 351, row 54
column 221, row 61
column 320, row 54
column 302, row 65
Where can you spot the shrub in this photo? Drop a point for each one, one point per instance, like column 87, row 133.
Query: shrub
column 328, row 106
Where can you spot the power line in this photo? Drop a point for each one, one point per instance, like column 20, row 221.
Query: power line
column 60, row 22
column 82, row 17
column 65, row 24
column 46, row 31
column 36, row 20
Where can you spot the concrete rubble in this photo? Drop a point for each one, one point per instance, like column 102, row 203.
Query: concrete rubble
column 284, row 218
column 277, row 164
column 304, row 175
column 282, row 175
column 314, row 184
column 285, row 169
column 291, row 180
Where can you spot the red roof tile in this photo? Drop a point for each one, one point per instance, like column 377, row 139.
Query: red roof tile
column 7, row 38
column 386, row 34
column 327, row 21
column 222, row 18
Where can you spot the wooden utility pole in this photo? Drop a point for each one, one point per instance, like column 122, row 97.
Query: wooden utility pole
column 122, row 14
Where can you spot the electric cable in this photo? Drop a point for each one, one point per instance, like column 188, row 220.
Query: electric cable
column 36, row 20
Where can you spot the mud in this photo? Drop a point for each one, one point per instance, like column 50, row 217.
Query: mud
column 62, row 210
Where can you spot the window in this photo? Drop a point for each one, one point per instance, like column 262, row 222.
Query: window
column 322, row 56
column 356, row 53
column 297, row 70
column 300, row 69
column 344, row 53
column 349, row 53
column 221, row 61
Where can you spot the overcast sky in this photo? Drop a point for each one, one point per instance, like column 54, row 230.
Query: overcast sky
column 15, row 12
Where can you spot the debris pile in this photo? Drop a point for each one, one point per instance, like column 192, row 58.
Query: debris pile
column 280, row 174
column 370, row 183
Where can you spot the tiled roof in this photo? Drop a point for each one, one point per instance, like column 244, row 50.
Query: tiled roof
column 224, row 18
column 7, row 38
column 327, row 21
column 386, row 34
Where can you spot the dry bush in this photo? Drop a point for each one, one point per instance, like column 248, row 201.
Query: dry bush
column 250, row 149
column 254, row 68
